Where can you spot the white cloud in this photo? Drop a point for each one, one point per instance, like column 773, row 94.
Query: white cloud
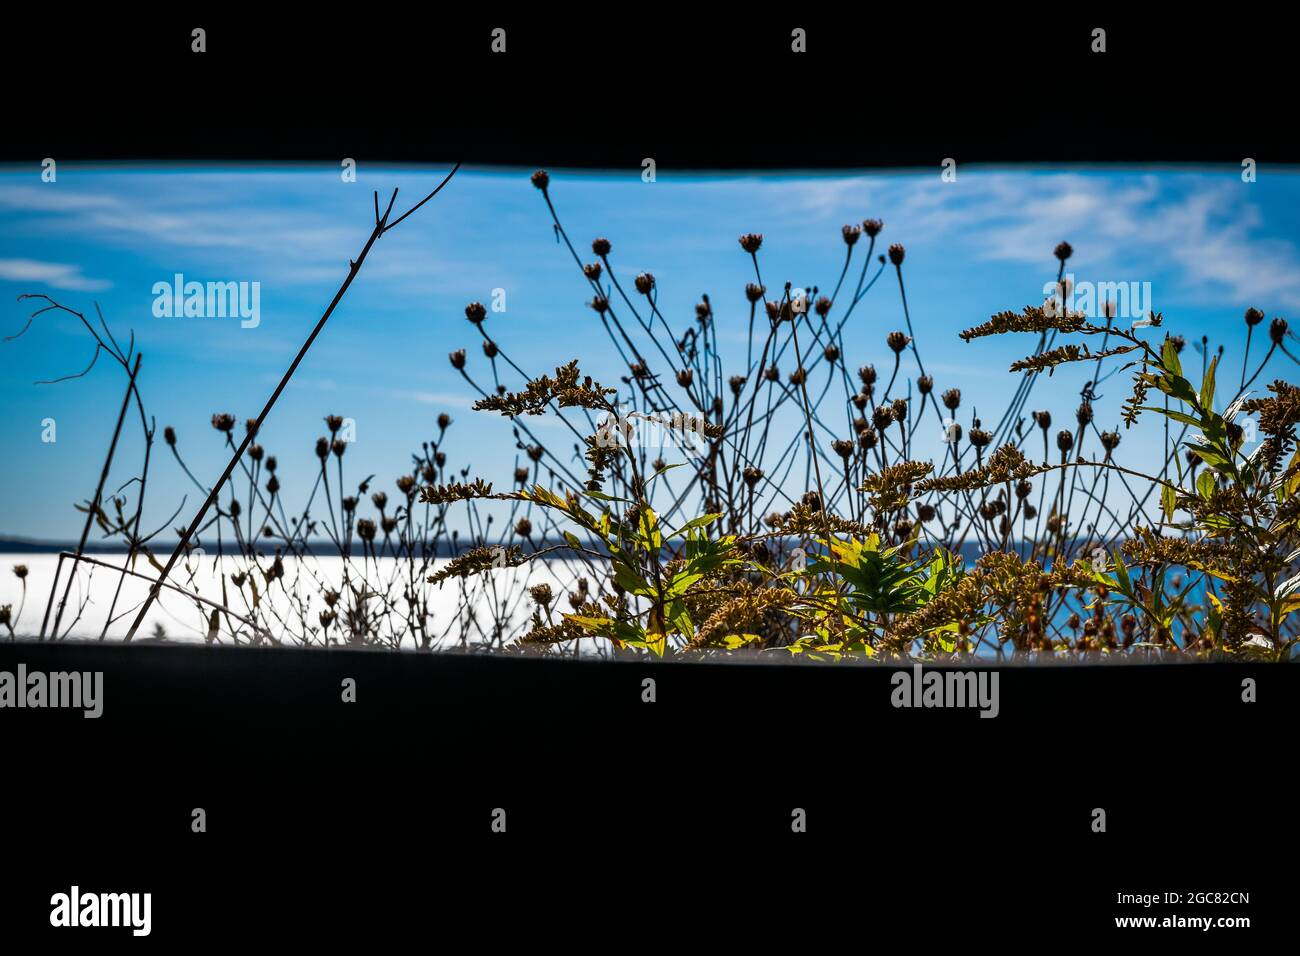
column 54, row 274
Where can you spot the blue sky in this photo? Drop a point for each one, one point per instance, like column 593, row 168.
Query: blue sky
column 1209, row 245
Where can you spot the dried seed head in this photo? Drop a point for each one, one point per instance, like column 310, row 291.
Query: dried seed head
column 926, row 513
column 521, row 475
column 754, row 291
column 457, row 359
column 169, row 436
column 952, row 399
column 406, row 485
column 980, row 438
column 443, row 421
column 1179, row 343
column 1043, row 419
column 600, row 304
column 751, row 241
column 658, row 464
column 1063, row 251
column 900, row 410
column 851, row 234
column 1254, row 317
column 897, row 341
column 1064, row 440
column 235, row 508
column 1110, row 440
column 322, row 448
column 223, row 422
column 475, row 312
column 270, row 463
column 924, row 384
column 489, row 348
column 685, row 377
column 867, row 438
column 882, row 417
column 752, row 475
column 388, row 523
column 842, row 447
column 255, row 452
column 541, row 179
column 272, row 485
column 832, row 353
column 333, row 423
column 772, row 374
column 1277, row 330
column 823, row 306
column 1030, row 512
column 644, row 283
column 861, row 398
column 379, row 499
column 798, row 376
column 535, row 452
column 813, row 500
column 600, row 247
column 737, row 383
column 20, row 571
column 702, row 311
column 896, row 253
column 1023, row 489
column 338, row 446
column 872, row 227
column 350, row 504
column 541, row 593
column 902, row 529
column 523, row 527
column 366, row 529
column 868, row 374
column 1083, row 414
column 592, row 271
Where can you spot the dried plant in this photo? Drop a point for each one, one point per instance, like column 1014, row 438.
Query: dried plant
column 787, row 507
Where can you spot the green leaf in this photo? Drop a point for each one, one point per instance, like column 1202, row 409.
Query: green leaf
column 1168, row 501
column 1169, row 357
column 1171, row 413
column 630, row 581
column 700, row 522
column 664, row 470
column 1207, row 386
column 1177, row 387
column 601, row 496
column 1205, row 484
column 1121, row 575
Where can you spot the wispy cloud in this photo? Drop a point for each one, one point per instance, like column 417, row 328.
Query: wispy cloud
column 57, row 275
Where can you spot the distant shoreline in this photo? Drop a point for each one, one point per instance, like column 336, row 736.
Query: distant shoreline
column 971, row 551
